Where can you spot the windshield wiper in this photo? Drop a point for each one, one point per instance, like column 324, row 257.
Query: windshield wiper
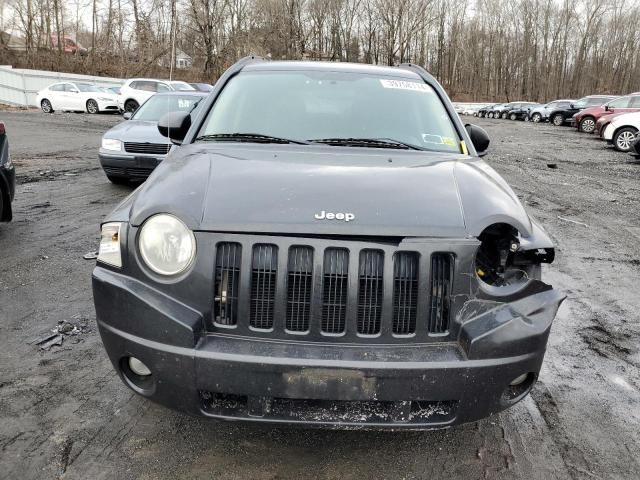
column 247, row 137
column 368, row 142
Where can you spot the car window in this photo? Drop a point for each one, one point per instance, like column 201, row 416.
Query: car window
column 87, row 87
column 158, row 105
column 147, row 86
column 310, row 105
column 597, row 101
column 161, row 87
column 635, row 101
column 134, row 85
column 69, row 88
column 58, row 87
column 621, row 102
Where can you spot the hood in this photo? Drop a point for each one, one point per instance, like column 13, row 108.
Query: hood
column 632, row 117
column 598, row 110
column 297, row 190
column 137, row 131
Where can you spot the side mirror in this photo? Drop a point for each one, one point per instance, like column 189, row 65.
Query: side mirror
column 606, row 108
column 479, row 138
column 174, row 126
column 127, row 115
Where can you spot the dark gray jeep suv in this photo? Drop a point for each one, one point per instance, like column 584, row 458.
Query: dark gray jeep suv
column 325, row 247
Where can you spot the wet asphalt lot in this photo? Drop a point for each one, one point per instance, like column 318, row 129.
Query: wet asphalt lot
column 65, row 414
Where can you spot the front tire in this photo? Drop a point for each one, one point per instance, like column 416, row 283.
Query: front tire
column 587, row 125
column 504, row 115
column 557, row 120
column 490, row 115
column 46, row 106
column 513, row 116
column 536, row 118
column 92, row 106
column 623, row 139
column 131, row 106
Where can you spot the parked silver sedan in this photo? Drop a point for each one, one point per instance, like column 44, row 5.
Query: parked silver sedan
column 133, row 148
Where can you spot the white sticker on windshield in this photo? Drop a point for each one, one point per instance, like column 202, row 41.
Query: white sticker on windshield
column 404, row 85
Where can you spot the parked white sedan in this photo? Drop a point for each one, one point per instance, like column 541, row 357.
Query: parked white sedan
column 622, row 131
column 76, row 96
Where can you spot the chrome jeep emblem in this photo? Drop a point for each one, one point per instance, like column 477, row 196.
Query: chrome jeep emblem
column 323, row 215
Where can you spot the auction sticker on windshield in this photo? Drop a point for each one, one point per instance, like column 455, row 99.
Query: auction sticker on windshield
column 404, row 85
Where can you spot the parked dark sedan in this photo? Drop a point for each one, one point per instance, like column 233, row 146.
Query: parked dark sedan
column 563, row 115
column 7, row 177
column 132, row 149
column 482, row 112
column 518, row 111
column 325, row 248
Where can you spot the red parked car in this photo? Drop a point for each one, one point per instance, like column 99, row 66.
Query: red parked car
column 586, row 119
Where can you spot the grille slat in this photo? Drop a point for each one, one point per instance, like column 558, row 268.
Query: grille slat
column 228, row 256
column 299, row 281
column 405, row 293
column 334, row 299
column 370, row 291
column 441, row 278
column 264, row 266
column 149, row 148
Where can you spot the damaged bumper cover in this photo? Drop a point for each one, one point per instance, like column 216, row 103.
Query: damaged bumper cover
column 418, row 385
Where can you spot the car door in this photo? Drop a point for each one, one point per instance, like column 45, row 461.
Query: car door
column 55, row 95
column 548, row 108
column 72, row 97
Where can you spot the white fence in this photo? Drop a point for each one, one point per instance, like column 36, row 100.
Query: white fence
column 19, row 86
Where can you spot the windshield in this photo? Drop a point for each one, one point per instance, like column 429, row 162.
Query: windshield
column 87, row 87
column 312, row 105
column 158, row 105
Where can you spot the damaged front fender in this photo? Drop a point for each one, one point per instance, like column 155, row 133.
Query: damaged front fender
column 492, row 329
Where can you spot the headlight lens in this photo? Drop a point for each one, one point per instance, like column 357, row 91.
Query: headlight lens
column 109, row 251
column 111, row 144
column 166, row 244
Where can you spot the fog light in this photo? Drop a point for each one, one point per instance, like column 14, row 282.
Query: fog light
column 514, row 382
column 140, row 368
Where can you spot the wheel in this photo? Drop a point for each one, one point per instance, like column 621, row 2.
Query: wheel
column 513, row 116
column 623, row 138
column 504, row 115
column 46, row 106
column 587, row 125
column 131, row 106
column 536, row 118
column 490, row 115
column 481, row 114
column 557, row 120
column 92, row 106
column 118, row 180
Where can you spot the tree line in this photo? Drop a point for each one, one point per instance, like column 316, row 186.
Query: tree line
column 480, row 50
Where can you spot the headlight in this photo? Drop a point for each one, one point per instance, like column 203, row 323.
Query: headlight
column 109, row 251
column 166, row 244
column 111, row 144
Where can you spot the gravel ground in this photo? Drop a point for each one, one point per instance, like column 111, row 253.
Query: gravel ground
column 65, row 414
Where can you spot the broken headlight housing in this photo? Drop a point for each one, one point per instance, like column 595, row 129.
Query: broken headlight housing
column 501, row 264
column 166, row 244
column 109, row 251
